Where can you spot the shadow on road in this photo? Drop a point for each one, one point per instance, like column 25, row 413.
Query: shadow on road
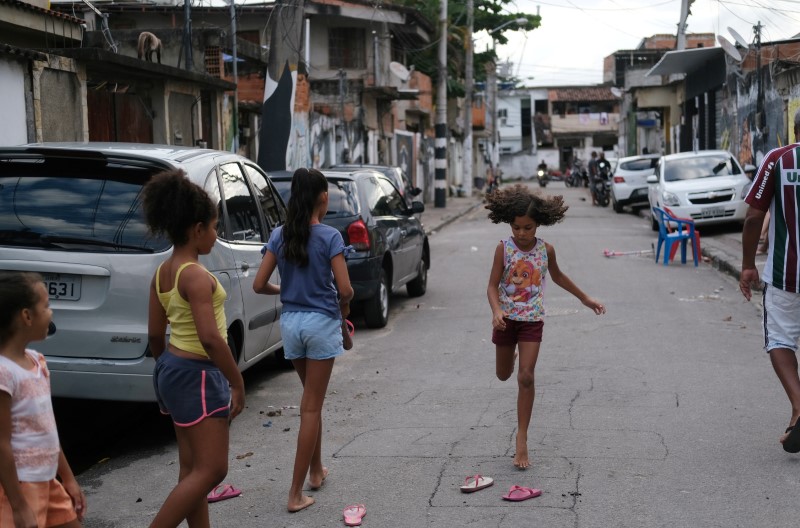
column 93, row 431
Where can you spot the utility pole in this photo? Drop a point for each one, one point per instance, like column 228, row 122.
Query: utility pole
column 277, row 113
column 440, row 163
column 187, row 34
column 760, row 117
column 681, row 43
column 468, row 81
column 235, row 80
column 491, row 92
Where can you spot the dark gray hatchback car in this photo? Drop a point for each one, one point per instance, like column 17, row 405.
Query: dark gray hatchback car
column 390, row 247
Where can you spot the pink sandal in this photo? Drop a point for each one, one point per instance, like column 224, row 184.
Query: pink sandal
column 353, row 514
column 348, row 330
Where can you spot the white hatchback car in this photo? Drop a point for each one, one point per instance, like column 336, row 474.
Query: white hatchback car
column 629, row 181
column 72, row 212
column 707, row 186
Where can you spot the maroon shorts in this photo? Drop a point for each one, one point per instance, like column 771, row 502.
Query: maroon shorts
column 516, row 331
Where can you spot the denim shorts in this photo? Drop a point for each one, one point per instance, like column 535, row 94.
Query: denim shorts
column 190, row 390
column 781, row 318
column 516, row 331
column 311, row 335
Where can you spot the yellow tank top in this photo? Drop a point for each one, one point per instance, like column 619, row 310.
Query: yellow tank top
column 183, row 333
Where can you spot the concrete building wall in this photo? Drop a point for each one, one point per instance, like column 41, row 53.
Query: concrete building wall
column 61, row 104
column 12, row 86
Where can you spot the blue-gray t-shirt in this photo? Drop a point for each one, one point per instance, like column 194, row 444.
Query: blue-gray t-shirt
column 310, row 288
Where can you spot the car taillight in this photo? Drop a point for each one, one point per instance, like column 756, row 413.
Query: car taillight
column 619, row 179
column 358, row 235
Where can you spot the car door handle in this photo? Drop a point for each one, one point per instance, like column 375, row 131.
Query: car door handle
column 403, row 232
column 245, row 266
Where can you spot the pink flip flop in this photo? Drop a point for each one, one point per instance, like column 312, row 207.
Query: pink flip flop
column 353, row 514
column 519, row 493
column 475, row 483
column 347, row 338
column 222, row 492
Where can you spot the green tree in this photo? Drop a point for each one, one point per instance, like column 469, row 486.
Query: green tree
column 487, row 15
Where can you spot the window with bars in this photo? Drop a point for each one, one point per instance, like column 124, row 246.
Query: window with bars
column 346, row 48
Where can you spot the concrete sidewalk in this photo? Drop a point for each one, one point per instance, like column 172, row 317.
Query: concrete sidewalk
column 435, row 218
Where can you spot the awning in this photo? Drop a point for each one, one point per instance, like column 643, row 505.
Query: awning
column 685, row 61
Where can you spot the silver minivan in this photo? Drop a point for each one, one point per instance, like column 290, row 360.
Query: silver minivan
column 72, row 212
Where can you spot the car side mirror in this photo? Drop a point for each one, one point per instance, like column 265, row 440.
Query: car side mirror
column 417, row 207
column 415, row 191
column 652, row 179
column 750, row 168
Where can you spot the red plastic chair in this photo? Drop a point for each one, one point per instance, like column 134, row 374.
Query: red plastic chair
column 670, row 237
column 696, row 234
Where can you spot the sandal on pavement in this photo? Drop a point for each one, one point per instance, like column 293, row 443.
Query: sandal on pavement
column 353, row 514
column 222, row 492
column 519, row 493
column 476, row 483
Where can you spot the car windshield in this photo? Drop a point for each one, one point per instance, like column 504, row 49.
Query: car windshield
column 342, row 197
column 638, row 164
column 701, row 167
column 73, row 213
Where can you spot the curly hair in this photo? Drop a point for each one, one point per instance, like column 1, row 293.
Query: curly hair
column 172, row 204
column 17, row 292
column 506, row 204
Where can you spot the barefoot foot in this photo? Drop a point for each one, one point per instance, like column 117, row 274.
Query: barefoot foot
column 295, row 506
column 316, row 480
column 521, row 455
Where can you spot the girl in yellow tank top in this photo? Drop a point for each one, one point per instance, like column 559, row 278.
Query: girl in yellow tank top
column 196, row 379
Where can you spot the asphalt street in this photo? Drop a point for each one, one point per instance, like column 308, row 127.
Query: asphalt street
column 663, row 412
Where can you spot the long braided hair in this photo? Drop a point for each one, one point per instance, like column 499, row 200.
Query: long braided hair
column 307, row 186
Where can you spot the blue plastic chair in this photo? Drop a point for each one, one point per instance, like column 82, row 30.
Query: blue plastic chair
column 673, row 230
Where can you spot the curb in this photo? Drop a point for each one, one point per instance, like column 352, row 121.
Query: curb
column 452, row 218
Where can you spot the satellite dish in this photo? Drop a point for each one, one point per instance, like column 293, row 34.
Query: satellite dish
column 400, row 71
column 729, row 48
column 738, row 38
column 616, row 92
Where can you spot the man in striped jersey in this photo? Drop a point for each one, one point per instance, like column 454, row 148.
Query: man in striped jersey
column 776, row 188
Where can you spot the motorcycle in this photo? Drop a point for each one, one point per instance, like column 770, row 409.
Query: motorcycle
column 602, row 187
column 577, row 176
column 541, row 175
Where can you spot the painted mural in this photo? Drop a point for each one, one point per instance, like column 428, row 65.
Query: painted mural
column 276, row 119
column 738, row 128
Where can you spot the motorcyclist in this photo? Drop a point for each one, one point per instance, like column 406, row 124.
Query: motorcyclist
column 601, row 175
column 541, row 172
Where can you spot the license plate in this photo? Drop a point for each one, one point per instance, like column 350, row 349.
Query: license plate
column 63, row 287
column 712, row 212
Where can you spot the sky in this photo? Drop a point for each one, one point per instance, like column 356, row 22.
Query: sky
column 575, row 35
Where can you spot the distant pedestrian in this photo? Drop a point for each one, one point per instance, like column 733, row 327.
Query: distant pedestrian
column 196, row 379
column 516, row 292
column 30, row 453
column 593, row 173
column 315, row 291
column 775, row 190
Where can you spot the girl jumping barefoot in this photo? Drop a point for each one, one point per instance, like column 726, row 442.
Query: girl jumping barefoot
column 516, row 292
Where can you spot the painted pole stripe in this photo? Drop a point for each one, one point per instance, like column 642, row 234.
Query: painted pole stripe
column 439, row 184
column 440, row 164
column 441, row 143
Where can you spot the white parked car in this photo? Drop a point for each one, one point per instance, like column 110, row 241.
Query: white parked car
column 707, row 186
column 72, row 212
column 629, row 181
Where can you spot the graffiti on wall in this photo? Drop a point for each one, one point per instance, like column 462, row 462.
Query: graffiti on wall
column 739, row 127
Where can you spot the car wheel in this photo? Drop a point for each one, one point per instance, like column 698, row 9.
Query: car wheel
column 653, row 223
column 376, row 310
column 418, row 286
column 617, row 206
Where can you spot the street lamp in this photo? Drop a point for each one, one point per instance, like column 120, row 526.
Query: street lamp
column 495, row 154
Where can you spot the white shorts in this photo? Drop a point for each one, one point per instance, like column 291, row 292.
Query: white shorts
column 781, row 319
